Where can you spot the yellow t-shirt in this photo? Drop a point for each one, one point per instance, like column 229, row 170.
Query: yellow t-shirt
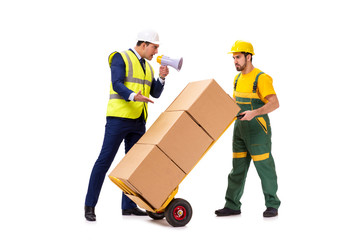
column 245, row 84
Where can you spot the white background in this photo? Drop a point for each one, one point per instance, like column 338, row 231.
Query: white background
column 54, row 91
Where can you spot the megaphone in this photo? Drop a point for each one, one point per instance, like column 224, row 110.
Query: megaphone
column 166, row 61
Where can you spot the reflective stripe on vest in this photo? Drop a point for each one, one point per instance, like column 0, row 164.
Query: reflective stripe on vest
column 136, row 80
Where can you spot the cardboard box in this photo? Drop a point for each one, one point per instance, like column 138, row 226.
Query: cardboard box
column 176, row 141
column 208, row 104
column 149, row 172
column 179, row 137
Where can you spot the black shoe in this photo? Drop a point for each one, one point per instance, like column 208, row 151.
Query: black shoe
column 134, row 211
column 270, row 212
column 227, row 212
column 90, row 213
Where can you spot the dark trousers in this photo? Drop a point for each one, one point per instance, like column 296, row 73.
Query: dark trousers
column 116, row 130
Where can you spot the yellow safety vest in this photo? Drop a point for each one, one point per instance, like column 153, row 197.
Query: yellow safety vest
column 135, row 80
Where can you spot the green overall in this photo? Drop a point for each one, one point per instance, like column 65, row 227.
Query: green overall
column 252, row 140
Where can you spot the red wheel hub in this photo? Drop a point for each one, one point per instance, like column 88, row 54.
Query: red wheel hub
column 179, row 213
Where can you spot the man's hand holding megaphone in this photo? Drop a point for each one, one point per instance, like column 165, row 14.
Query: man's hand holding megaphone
column 163, row 72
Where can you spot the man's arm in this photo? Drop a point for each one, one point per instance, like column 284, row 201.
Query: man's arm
column 157, row 85
column 118, row 76
column 271, row 105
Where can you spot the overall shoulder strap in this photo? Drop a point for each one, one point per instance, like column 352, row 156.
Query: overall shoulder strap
column 256, row 81
column 236, row 81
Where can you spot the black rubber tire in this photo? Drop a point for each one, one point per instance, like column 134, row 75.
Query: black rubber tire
column 156, row 216
column 178, row 213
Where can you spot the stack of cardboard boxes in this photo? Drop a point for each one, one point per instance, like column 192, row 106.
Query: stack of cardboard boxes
column 176, row 141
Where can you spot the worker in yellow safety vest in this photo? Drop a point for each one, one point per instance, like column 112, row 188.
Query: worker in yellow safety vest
column 132, row 83
column 254, row 93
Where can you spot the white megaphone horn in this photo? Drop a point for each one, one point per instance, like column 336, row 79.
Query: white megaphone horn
column 166, row 61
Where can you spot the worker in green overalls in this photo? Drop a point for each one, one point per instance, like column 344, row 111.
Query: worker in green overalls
column 254, row 93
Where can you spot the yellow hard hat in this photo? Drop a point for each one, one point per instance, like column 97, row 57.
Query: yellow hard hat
column 241, row 46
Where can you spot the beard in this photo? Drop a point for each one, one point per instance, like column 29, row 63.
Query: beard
column 239, row 67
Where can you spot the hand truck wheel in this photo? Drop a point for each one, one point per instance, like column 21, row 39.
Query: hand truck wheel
column 178, row 213
column 156, row 216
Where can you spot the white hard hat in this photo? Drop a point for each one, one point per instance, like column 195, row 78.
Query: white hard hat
column 148, row 36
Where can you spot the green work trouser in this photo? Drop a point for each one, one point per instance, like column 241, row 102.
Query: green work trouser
column 252, row 140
